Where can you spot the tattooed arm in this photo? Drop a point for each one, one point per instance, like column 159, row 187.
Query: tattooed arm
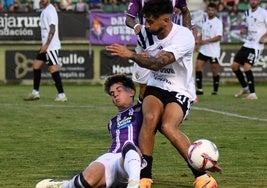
column 154, row 63
column 146, row 61
column 50, row 34
column 49, row 38
column 186, row 17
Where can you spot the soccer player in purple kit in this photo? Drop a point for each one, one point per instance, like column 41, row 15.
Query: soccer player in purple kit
column 121, row 165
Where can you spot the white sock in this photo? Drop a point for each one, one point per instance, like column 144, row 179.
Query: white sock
column 35, row 92
column 69, row 184
column 132, row 165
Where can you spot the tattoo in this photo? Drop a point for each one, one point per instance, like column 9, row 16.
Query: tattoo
column 186, row 17
column 130, row 22
column 50, row 34
column 154, row 63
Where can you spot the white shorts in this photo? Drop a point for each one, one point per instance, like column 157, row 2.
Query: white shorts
column 139, row 74
column 114, row 174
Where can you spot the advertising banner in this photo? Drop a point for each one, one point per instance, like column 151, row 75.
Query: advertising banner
column 227, row 58
column 110, row 28
column 110, row 65
column 25, row 26
column 75, row 65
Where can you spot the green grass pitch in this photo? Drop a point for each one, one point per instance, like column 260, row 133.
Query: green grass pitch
column 44, row 139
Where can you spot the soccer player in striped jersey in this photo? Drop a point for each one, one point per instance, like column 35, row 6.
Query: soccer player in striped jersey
column 135, row 20
column 48, row 53
column 248, row 55
column 167, row 98
column 121, row 165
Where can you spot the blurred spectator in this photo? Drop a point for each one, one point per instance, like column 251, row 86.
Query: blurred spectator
column 26, row 7
column 17, row 6
column 65, row 5
column 213, row 1
column 95, row 4
column 80, row 6
column 231, row 6
column 115, row 5
column 2, row 9
column 222, row 9
column 56, row 5
column 36, row 5
column 9, row 5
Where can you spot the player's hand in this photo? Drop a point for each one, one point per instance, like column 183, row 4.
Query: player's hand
column 243, row 31
column 143, row 54
column 137, row 28
column 43, row 48
column 215, row 168
column 119, row 50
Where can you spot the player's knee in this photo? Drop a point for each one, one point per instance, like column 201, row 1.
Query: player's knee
column 150, row 119
column 127, row 147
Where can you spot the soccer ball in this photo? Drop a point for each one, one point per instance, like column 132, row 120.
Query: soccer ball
column 203, row 154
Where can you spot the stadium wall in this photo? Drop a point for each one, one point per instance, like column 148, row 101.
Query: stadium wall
column 86, row 63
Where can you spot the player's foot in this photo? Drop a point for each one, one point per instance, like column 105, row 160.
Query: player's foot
column 206, row 181
column 145, row 183
column 242, row 92
column 199, row 92
column 133, row 184
column 50, row 183
column 214, row 93
column 252, row 96
column 196, row 100
column 34, row 95
column 61, row 97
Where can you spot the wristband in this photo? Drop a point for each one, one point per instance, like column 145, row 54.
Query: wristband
column 135, row 25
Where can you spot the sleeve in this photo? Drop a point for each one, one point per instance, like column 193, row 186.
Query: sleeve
column 219, row 28
column 180, row 4
column 180, row 49
column 265, row 17
column 134, row 8
column 52, row 18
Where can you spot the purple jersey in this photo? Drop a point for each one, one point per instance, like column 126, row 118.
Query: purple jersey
column 125, row 126
column 135, row 7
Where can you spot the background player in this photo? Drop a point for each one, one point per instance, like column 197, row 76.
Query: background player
column 48, row 52
column 209, row 48
column 247, row 56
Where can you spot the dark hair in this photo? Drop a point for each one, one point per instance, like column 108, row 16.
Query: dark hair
column 157, row 8
column 119, row 78
column 212, row 5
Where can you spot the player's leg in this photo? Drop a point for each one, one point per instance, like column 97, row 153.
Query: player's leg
column 199, row 66
column 170, row 128
column 142, row 88
column 216, row 77
column 152, row 109
column 250, row 81
column 36, row 68
column 131, row 163
column 240, row 57
column 54, row 71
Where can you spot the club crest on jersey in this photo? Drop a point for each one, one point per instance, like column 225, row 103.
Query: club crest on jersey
column 125, row 122
column 160, row 47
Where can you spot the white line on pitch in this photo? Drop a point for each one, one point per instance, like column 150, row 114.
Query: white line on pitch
column 228, row 114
